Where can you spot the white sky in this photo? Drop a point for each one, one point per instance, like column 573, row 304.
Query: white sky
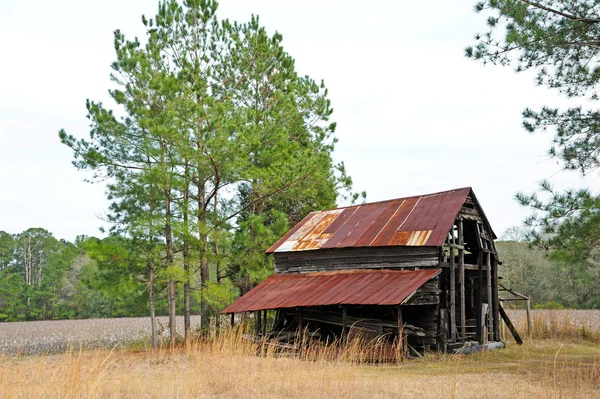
column 414, row 115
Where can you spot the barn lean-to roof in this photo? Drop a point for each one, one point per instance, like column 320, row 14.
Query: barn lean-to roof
column 348, row 287
column 422, row 220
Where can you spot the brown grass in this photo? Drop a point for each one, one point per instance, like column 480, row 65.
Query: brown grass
column 228, row 367
column 563, row 325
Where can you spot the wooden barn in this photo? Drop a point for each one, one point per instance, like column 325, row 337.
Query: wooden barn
column 423, row 267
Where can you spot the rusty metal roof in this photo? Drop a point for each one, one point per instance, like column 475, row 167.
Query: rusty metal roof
column 422, row 220
column 350, row 287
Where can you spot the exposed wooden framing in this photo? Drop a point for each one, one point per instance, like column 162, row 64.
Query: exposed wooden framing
column 232, row 320
column 356, row 258
column 257, row 320
column 400, row 333
column 519, row 297
column 301, row 323
column 484, row 311
column 479, row 334
column 468, row 266
column 510, row 326
column 442, row 337
column 264, row 323
column 344, row 325
column 495, row 301
column 461, row 281
column 488, row 280
column 528, row 318
column 452, row 292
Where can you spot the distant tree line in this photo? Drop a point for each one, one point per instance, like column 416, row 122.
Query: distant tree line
column 550, row 280
column 42, row 278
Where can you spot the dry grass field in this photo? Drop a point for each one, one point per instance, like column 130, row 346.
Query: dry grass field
column 226, row 367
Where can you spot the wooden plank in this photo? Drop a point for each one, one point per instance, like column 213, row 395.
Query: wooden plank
column 264, row 323
column 452, row 315
column 495, row 301
column 257, row 321
column 479, row 298
column 344, row 325
column 442, row 338
column 461, row 282
column 467, row 266
column 400, row 333
column 510, row 326
column 490, row 316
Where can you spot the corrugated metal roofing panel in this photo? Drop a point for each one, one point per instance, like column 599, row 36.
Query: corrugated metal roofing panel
column 413, row 221
column 351, row 287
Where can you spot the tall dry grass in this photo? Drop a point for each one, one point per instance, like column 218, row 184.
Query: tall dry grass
column 568, row 325
column 229, row 367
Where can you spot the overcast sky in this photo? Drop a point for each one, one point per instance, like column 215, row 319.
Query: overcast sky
column 414, row 115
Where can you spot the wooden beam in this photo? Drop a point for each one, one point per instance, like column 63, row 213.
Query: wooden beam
column 257, row 321
column 510, row 326
column 452, row 295
column 528, row 318
column 232, row 320
column 490, row 316
column 264, row 323
column 479, row 334
column 442, row 340
column 461, row 282
column 344, row 325
column 495, row 299
column 301, row 324
column 468, row 266
column 400, row 333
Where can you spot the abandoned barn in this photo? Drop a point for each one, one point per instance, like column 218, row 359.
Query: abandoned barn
column 424, row 268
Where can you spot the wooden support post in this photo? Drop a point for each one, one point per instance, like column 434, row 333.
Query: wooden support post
column 495, row 300
column 484, row 311
column 443, row 331
column 257, row 321
column 479, row 334
column 301, row 325
column 510, row 326
column 232, row 320
column 452, row 294
column 461, row 282
column 264, row 323
column 528, row 318
column 400, row 334
column 344, row 325
column 490, row 317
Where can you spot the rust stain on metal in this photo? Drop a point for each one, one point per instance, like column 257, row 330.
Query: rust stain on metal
column 316, row 236
column 349, row 287
column 412, row 221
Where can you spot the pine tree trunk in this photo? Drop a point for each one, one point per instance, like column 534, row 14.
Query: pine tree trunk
column 151, row 300
column 151, row 270
column 202, row 249
column 171, row 281
column 186, row 261
column 204, row 277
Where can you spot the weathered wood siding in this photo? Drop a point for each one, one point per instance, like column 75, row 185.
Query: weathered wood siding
column 356, row 258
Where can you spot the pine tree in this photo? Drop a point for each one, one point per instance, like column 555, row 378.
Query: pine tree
column 558, row 40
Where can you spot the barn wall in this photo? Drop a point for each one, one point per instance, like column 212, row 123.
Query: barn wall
column 356, row 258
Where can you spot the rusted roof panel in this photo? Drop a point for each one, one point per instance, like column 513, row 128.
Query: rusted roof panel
column 349, row 287
column 422, row 220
